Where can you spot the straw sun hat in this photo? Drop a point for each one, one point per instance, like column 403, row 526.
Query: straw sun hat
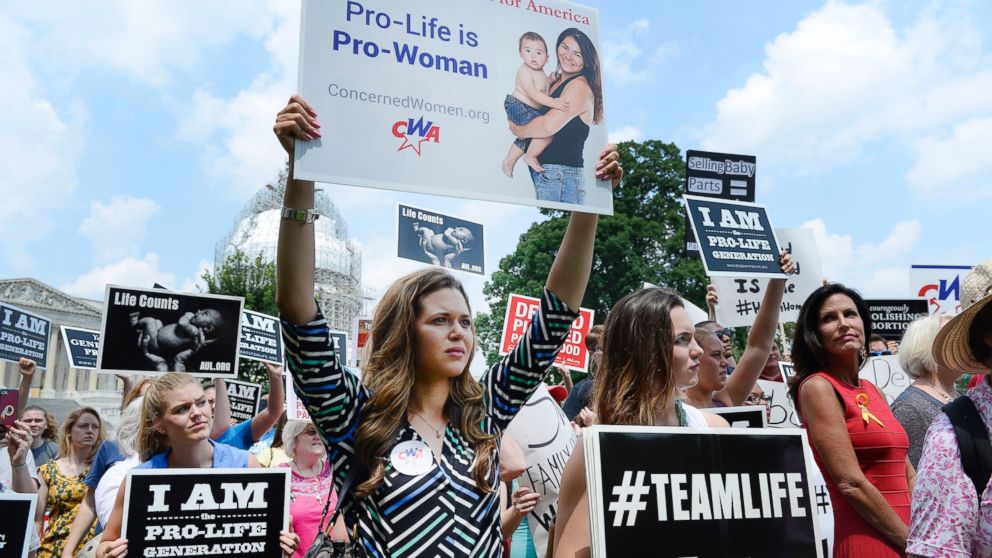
column 951, row 347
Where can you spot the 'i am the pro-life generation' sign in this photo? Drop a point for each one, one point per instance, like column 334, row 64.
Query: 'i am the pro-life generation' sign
column 23, row 334
column 717, row 175
column 243, row 398
column 736, row 239
column 81, row 345
column 261, row 337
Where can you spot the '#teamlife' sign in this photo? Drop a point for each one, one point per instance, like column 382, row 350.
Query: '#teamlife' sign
column 81, row 346
column 442, row 240
column 261, row 337
column 23, row 334
column 707, row 493
column 736, row 239
column 573, row 354
column 205, row 512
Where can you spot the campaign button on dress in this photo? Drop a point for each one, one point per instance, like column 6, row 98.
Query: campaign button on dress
column 412, row 457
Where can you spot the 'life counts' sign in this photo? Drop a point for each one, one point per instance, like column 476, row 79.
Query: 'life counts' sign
column 740, row 297
column 939, row 285
column 82, row 346
column 573, row 354
column 243, row 398
column 717, row 175
column 442, row 240
column 890, row 318
column 261, row 338
column 205, row 512
column 700, row 492
column 736, row 239
column 23, row 334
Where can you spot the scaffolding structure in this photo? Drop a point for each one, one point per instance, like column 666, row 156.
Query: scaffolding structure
column 338, row 277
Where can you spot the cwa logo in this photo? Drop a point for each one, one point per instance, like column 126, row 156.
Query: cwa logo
column 415, row 132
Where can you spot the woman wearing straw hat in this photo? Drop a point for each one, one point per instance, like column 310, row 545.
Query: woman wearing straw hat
column 952, row 512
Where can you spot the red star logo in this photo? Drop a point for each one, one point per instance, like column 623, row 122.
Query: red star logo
column 411, row 144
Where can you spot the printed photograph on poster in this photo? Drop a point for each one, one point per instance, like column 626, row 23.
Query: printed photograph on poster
column 697, row 489
column 573, row 354
column 940, row 285
column 243, row 398
column 261, row 337
column 205, row 512
column 154, row 331
column 18, row 521
column 360, row 330
column 81, row 346
column 717, row 175
column 890, row 318
column 736, row 239
column 436, row 239
column 498, row 101
column 740, row 297
column 23, row 334
column 745, row 416
column 340, row 340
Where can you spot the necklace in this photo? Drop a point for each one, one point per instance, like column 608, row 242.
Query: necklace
column 437, row 431
column 939, row 392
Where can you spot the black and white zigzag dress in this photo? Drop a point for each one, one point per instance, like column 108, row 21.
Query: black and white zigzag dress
column 441, row 513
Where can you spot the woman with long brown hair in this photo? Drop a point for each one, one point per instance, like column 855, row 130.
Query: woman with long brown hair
column 62, row 484
column 425, row 431
column 649, row 354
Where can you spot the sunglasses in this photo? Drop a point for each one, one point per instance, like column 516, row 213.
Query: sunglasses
column 881, row 353
column 754, row 399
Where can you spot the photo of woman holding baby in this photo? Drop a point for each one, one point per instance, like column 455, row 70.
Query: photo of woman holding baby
column 575, row 102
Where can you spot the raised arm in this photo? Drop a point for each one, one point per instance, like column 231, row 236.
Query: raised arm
column 81, row 525
column 759, row 340
column 265, row 420
column 222, row 409
column 295, row 250
column 27, row 368
column 579, row 100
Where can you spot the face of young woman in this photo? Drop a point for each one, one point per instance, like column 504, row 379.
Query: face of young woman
column 712, row 364
column 308, row 442
column 85, row 431
column 771, row 365
column 570, row 56
column 444, row 336
column 36, row 422
column 840, row 327
column 685, row 351
column 187, row 415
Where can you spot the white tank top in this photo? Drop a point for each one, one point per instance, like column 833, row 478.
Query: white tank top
column 693, row 416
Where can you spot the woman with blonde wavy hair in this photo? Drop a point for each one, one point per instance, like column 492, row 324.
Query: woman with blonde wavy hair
column 422, row 428
column 649, row 354
column 62, row 485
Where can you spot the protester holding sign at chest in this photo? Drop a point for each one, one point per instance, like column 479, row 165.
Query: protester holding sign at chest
column 175, row 433
column 715, row 388
column 857, row 443
column 417, row 419
column 648, row 350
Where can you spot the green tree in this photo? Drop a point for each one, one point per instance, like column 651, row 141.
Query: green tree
column 642, row 241
column 255, row 280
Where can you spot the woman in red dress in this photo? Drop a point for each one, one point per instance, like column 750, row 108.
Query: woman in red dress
column 858, row 444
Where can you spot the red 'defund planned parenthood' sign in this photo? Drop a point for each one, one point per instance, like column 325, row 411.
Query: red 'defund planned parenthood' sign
column 520, row 309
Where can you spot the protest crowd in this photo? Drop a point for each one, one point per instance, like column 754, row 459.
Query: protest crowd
column 413, row 456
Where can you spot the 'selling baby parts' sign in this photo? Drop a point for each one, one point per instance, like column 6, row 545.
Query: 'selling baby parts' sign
column 520, row 309
column 496, row 100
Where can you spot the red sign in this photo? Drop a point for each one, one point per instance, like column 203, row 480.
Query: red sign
column 361, row 328
column 520, row 309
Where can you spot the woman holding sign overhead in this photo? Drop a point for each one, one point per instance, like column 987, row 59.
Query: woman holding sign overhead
column 858, row 444
column 417, row 434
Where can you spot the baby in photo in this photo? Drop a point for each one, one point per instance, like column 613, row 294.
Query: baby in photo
column 529, row 100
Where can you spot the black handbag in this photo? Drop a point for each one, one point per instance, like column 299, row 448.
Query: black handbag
column 323, row 546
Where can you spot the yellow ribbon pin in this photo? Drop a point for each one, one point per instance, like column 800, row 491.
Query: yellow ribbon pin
column 862, row 400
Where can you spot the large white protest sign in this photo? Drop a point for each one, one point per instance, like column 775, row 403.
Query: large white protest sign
column 544, row 434
column 940, row 285
column 781, row 411
column 741, row 297
column 887, row 375
column 416, row 96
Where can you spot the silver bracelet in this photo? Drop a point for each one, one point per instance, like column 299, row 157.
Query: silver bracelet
column 305, row 216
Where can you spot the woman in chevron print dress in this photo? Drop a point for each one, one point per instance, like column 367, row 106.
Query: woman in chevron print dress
column 425, row 432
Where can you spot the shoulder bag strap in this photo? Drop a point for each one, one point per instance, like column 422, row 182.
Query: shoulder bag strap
column 973, row 441
column 357, row 468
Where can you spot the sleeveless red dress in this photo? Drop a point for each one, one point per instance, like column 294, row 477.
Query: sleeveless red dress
column 881, row 451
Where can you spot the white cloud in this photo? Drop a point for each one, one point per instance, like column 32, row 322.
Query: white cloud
column 196, row 284
column 962, row 154
column 128, row 271
column 845, row 78
column 629, row 59
column 868, row 267
column 116, row 229
column 626, row 133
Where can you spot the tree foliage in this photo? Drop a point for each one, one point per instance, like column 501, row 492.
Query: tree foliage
column 642, row 241
column 255, row 280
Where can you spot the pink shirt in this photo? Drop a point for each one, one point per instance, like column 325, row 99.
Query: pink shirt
column 307, row 498
column 948, row 519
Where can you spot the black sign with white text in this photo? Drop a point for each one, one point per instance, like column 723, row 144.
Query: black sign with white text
column 706, row 493
column 890, row 318
column 753, row 416
column 23, row 334
column 438, row 239
column 82, row 346
column 736, row 239
column 243, row 398
column 205, row 512
column 717, row 175
column 150, row 330
column 340, row 340
column 18, row 520
column 261, row 337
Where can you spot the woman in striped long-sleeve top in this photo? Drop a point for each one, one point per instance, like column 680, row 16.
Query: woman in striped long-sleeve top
column 424, row 429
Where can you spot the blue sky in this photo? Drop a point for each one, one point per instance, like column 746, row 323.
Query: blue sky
column 134, row 132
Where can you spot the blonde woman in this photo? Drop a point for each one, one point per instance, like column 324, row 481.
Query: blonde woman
column 62, row 485
column 423, row 429
column 175, row 434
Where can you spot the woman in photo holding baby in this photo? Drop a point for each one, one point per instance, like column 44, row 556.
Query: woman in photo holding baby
column 578, row 83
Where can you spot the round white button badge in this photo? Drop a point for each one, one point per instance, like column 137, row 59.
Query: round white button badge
column 412, row 457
